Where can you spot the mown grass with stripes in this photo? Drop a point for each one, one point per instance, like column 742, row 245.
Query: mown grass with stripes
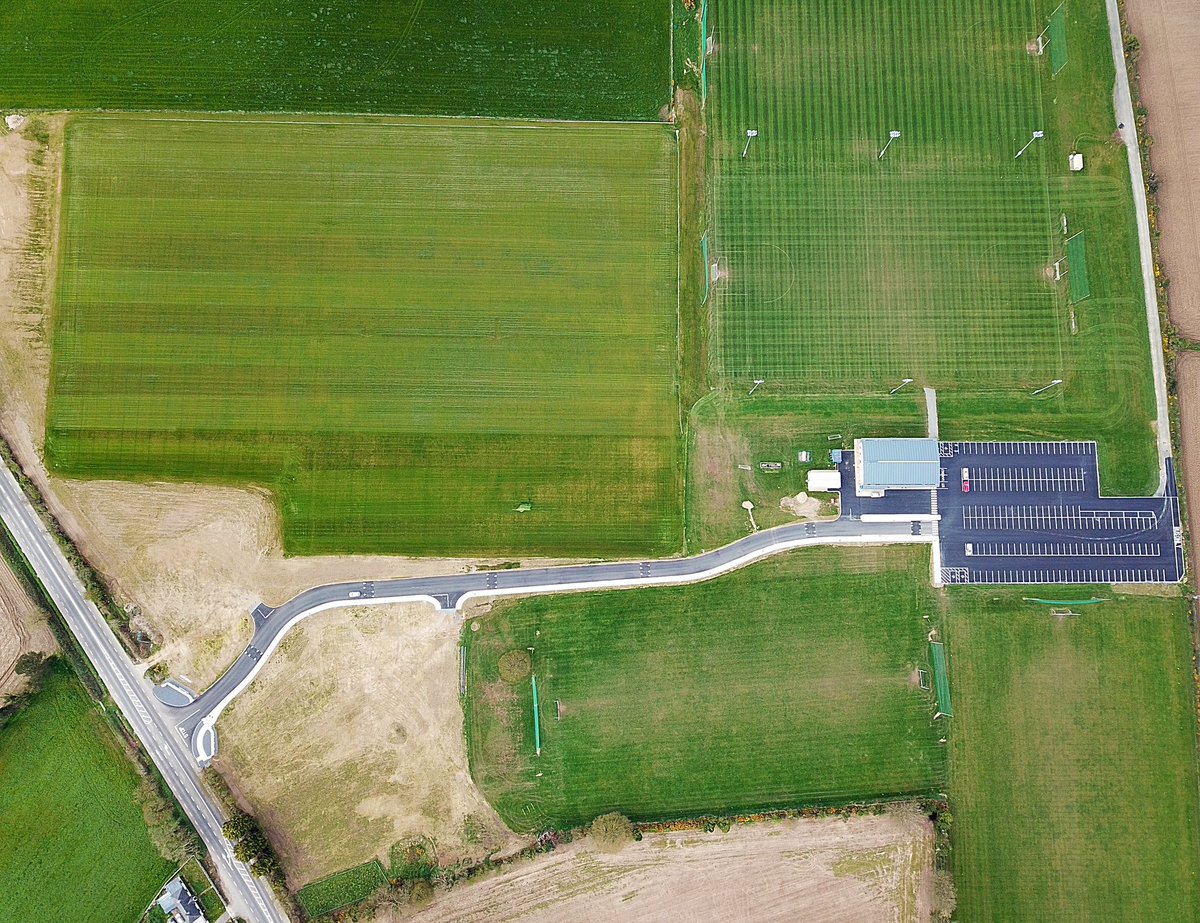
column 593, row 59
column 792, row 682
column 845, row 272
column 408, row 330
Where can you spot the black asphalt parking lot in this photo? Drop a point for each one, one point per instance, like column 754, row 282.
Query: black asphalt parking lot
column 1031, row 513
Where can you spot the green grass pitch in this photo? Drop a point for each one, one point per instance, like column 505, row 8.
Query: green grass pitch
column 844, row 272
column 789, row 683
column 1073, row 754
column 551, row 58
column 73, row 845
column 843, row 266
column 406, row 329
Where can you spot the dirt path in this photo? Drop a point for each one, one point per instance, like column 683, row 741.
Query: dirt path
column 1169, row 69
column 342, row 755
column 821, row 871
column 1188, row 373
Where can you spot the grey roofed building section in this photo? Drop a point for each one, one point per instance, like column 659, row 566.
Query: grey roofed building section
column 890, row 464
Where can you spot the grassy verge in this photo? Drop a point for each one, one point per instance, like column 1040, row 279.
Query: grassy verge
column 198, row 882
column 74, row 843
column 1073, row 758
column 170, row 830
column 93, row 584
column 789, row 683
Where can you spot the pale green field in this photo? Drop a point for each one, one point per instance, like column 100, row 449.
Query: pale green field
column 407, row 330
column 1073, row 759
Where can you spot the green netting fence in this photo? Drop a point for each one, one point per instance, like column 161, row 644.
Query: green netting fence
column 1077, row 268
column 1056, row 36
column 941, row 680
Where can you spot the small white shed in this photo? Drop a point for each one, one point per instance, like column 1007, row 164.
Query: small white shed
column 824, row 481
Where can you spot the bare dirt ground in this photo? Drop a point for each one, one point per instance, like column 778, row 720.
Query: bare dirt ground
column 1188, row 373
column 23, row 628
column 197, row 560
column 821, row 871
column 1169, row 70
column 24, row 357
column 351, row 739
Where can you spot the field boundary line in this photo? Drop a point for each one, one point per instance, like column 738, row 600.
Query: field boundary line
column 401, row 119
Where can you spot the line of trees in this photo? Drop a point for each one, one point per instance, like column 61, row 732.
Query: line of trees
column 250, row 845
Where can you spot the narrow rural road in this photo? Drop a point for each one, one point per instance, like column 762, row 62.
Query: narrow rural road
column 248, row 896
column 197, row 720
column 1127, row 125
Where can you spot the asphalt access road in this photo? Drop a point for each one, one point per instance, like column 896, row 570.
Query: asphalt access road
column 196, row 722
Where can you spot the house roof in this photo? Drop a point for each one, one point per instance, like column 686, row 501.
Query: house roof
column 821, row 480
column 888, row 464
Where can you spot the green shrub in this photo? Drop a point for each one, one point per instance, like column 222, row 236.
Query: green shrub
column 341, row 889
column 413, row 861
column 421, row 893
column 611, row 832
column 515, row 666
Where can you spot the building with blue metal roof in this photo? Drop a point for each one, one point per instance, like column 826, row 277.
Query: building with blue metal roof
column 895, row 464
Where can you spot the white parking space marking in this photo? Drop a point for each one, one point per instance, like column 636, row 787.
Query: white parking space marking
column 1066, row 549
column 1028, row 480
column 1054, row 518
column 947, row 449
column 1071, row 575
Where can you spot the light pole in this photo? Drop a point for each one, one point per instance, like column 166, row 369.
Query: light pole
column 1036, row 135
column 750, row 134
column 892, row 136
column 906, row 381
column 1057, row 381
column 757, row 382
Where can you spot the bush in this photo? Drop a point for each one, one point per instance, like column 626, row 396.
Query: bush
column 611, row 832
column 414, row 860
column 158, row 673
column 31, row 665
column 421, row 893
column 239, row 824
column 515, row 666
column 252, row 846
column 342, row 889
